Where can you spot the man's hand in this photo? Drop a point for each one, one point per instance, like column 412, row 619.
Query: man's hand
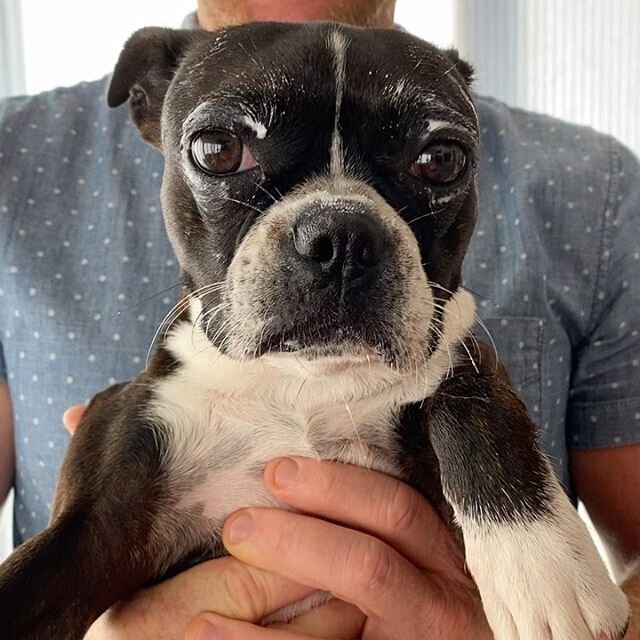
column 607, row 481
column 226, row 586
column 376, row 544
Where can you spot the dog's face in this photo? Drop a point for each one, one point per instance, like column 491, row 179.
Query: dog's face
column 319, row 182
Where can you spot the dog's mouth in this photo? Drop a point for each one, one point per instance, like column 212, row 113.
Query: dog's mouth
column 314, row 342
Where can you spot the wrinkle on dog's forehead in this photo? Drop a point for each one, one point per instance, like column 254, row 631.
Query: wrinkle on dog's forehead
column 411, row 73
column 423, row 78
column 410, row 96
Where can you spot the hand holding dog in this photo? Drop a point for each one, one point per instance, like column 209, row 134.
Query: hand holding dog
column 388, row 554
column 376, row 543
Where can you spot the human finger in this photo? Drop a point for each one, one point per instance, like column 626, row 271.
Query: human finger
column 71, row 417
column 369, row 501
column 212, row 627
column 354, row 566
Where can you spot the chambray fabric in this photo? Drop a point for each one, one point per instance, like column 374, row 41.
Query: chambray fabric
column 86, row 272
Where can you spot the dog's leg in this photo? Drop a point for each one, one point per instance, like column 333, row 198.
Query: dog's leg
column 55, row 584
column 100, row 544
column 538, row 572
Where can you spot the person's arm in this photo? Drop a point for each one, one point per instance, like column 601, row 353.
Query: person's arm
column 7, row 452
column 604, row 409
column 607, row 482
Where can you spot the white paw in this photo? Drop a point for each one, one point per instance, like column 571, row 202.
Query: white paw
column 544, row 580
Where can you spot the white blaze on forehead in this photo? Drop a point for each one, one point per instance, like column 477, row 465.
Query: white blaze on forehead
column 437, row 124
column 338, row 45
column 258, row 127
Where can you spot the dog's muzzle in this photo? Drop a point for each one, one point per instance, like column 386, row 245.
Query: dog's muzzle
column 328, row 271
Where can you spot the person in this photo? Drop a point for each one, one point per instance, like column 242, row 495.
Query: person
column 86, row 275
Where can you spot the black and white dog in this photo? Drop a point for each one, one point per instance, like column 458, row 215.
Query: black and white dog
column 319, row 192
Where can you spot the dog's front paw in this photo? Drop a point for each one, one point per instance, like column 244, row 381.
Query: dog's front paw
column 544, row 580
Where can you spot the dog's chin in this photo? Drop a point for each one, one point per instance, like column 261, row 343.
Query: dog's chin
column 329, row 359
column 346, row 358
column 395, row 343
column 331, row 351
column 335, row 344
column 310, row 352
column 322, row 341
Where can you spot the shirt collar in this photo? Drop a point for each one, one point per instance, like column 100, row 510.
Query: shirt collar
column 190, row 21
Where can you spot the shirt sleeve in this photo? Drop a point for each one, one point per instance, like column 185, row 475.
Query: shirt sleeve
column 604, row 403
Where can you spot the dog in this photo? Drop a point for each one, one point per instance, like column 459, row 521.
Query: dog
column 319, row 193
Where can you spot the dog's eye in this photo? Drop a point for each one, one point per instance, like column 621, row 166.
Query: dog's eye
column 220, row 152
column 440, row 163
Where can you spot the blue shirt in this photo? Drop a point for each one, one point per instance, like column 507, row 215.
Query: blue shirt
column 86, row 272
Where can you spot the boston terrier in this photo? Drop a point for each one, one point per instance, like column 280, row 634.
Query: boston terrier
column 319, row 192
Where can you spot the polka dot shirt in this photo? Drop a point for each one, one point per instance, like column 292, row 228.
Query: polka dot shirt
column 87, row 274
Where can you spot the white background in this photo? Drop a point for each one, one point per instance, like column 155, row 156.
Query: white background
column 6, row 539
column 67, row 41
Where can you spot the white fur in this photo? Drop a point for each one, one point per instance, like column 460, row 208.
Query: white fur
column 292, row 611
column 224, row 419
column 448, row 198
column 434, row 125
column 543, row 580
column 338, row 44
column 258, row 127
column 398, row 92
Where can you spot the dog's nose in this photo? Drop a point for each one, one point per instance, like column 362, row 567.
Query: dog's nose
column 344, row 242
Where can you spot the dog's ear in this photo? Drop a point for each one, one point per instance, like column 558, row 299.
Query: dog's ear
column 462, row 66
column 143, row 73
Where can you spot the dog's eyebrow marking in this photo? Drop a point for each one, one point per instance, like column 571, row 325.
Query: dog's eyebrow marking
column 438, row 124
column 200, row 118
column 258, row 127
column 338, row 45
column 400, row 89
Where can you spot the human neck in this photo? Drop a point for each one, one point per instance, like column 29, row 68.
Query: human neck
column 213, row 14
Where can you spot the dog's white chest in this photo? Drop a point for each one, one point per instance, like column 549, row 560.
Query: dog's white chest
column 217, row 444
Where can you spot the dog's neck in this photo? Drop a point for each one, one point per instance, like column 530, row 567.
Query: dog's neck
column 289, row 382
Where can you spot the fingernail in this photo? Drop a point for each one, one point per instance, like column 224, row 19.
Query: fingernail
column 240, row 528
column 208, row 631
column 285, row 473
